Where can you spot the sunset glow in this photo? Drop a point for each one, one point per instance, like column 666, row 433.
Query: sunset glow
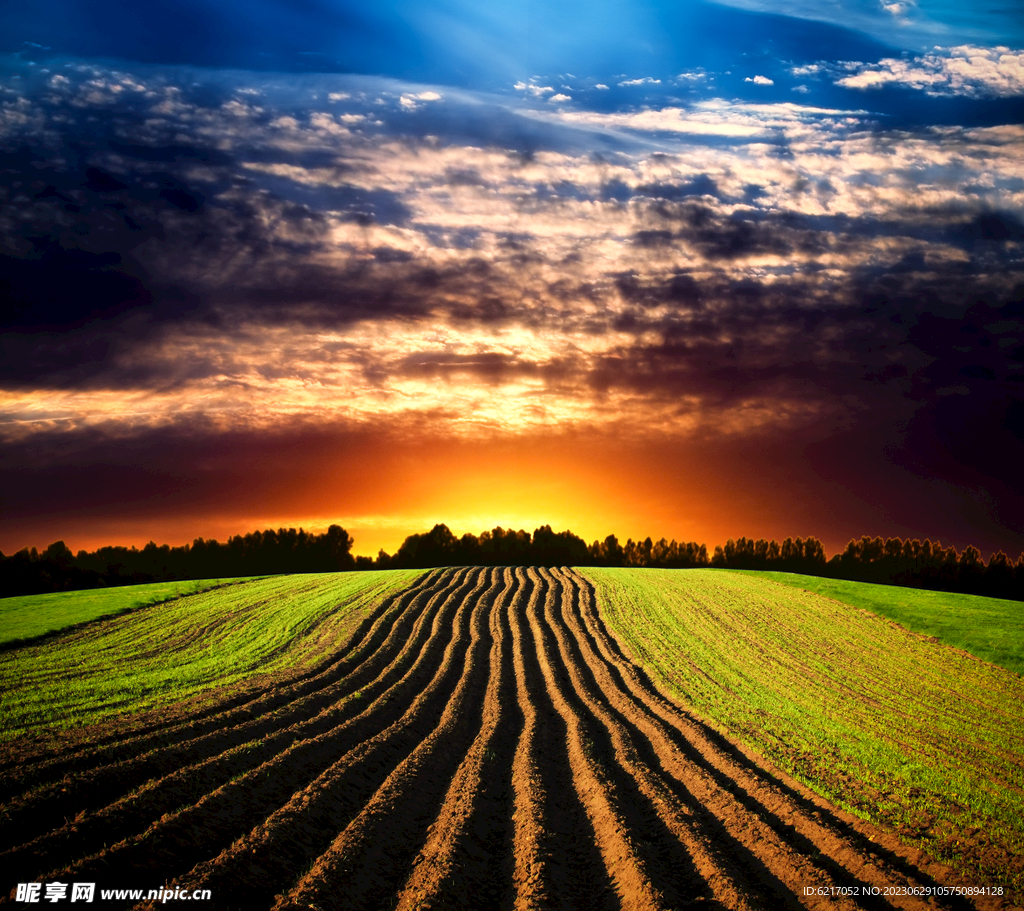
column 691, row 292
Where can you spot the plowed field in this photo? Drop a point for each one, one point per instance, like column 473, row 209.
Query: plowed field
column 482, row 743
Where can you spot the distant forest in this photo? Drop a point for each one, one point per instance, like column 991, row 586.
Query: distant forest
column 911, row 563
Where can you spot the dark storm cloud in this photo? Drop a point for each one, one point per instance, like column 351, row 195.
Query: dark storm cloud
column 732, row 237
column 701, row 185
column 56, row 288
column 762, row 341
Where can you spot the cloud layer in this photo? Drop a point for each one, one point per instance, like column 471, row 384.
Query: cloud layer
column 964, row 70
column 201, row 254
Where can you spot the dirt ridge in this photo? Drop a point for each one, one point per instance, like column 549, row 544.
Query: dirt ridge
column 481, row 740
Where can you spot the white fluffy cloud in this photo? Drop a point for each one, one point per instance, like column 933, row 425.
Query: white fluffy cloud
column 645, row 80
column 963, row 70
column 535, row 90
column 409, row 99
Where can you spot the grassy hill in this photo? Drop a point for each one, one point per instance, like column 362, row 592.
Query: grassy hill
column 165, row 652
column 989, row 628
column 28, row 616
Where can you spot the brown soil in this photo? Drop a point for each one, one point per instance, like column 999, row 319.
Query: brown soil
column 481, row 741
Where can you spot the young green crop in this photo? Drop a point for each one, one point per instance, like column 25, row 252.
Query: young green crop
column 989, row 628
column 167, row 652
column 890, row 724
column 28, row 616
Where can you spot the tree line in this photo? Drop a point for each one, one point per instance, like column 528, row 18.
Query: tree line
column 892, row 561
column 258, row 553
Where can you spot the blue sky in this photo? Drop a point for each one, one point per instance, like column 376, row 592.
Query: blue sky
column 784, row 239
column 462, row 43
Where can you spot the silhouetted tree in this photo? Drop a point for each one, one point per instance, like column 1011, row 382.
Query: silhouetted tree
column 435, row 548
column 607, row 552
column 998, row 579
column 557, row 549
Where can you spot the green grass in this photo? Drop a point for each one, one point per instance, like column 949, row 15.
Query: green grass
column 894, row 726
column 989, row 628
column 29, row 616
column 200, row 643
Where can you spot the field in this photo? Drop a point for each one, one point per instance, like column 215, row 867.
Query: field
column 202, row 643
column 989, row 628
column 481, row 738
column 890, row 724
column 31, row 616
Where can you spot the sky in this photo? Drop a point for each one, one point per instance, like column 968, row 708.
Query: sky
column 682, row 269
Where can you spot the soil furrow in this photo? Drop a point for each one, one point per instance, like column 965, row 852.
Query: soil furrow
column 175, row 844
column 603, row 804
column 266, row 860
column 656, row 748
column 557, row 862
column 374, row 853
column 663, row 820
column 466, row 862
column 163, row 729
column 213, row 759
column 243, row 749
column 748, row 802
